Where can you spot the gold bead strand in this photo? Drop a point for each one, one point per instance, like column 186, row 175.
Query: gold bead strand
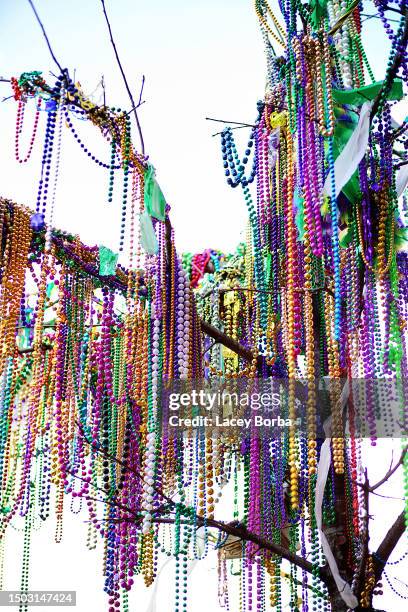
column 290, row 241
column 310, row 356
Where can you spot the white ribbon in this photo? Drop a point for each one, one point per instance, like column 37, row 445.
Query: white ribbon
column 401, row 180
column 344, row 588
column 352, row 154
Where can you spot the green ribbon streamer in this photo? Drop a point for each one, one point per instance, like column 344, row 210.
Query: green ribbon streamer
column 318, row 10
column 300, row 215
column 29, row 77
column 148, row 238
column 268, row 268
column 107, row 261
column 347, row 119
column 345, row 125
column 357, row 97
column 154, row 200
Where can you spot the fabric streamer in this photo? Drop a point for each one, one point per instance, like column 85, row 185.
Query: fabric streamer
column 348, row 160
column 322, row 473
column 358, row 97
column 401, row 180
column 154, row 200
column 148, row 237
column 318, row 10
column 107, row 261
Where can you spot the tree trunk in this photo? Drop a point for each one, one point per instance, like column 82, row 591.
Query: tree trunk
column 336, row 602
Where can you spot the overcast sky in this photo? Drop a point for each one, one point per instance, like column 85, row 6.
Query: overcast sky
column 200, row 59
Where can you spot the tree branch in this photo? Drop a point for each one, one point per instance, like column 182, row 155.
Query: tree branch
column 240, row 123
column 45, row 35
column 124, row 77
column 119, row 281
column 241, row 532
column 227, row 341
column 141, row 91
column 399, row 57
column 383, row 552
column 237, row 530
column 390, row 472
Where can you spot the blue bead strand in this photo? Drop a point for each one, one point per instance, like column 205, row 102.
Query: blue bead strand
column 85, row 148
column 335, row 244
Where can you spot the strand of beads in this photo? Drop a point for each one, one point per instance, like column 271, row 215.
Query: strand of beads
column 85, row 149
column 60, row 110
column 42, row 195
column 125, row 147
column 19, row 129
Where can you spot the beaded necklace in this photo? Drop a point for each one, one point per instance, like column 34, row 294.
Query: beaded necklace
column 316, row 290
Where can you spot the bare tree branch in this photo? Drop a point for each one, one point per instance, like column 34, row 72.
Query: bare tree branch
column 241, row 532
column 399, row 57
column 141, row 91
column 238, row 530
column 227, row 341
column 124, row 77
column 383, row 553
column 240, row 123
column 45, row 35
column 390, row 472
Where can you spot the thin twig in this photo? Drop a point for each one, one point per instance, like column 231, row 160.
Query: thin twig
column 388, row 475
column 394, row 10
column 111, row 502
column 140, row 98
column 45, row 35
column 241, row 125
column 141, row 91
column 134, row 108
column 309, row 586
column 368, row 17
column 232, row 122
column 392, row 459
column 387, row 496
column 125, row 466
column 399, row 57
column 91, row 484
column 103, row 89
column 238, row 127
column 390, row 472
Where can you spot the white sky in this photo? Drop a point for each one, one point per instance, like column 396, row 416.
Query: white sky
column 200, row 59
